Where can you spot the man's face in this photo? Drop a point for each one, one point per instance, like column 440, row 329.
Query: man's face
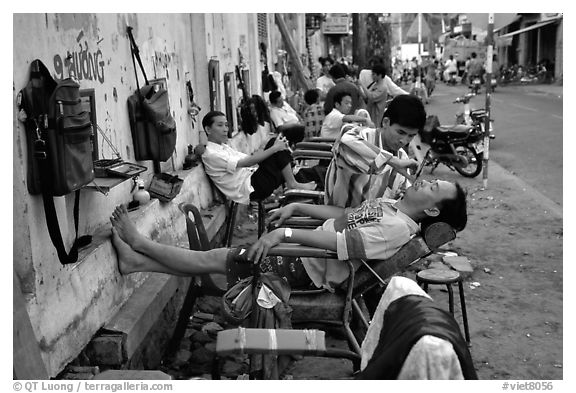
column 279, row 102
column 326, row 67
column 396, row 136
column 345, row 105
column 428, row 194
column 218, row 131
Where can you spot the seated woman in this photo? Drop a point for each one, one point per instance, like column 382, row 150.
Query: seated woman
column 376, row 229
column 242, row 177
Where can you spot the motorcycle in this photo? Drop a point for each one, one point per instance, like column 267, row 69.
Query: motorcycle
column 460, row 147
column 475, row 84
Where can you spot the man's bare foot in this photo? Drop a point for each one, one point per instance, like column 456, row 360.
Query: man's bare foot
column 127, row 257
column 124, row 227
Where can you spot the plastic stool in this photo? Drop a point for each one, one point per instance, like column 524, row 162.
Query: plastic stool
column 446, row 277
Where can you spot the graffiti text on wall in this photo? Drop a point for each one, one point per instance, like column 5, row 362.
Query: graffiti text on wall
column 81, row 64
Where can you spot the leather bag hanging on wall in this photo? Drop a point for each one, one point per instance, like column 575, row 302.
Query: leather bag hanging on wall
column 59, row 145
column 152, row 125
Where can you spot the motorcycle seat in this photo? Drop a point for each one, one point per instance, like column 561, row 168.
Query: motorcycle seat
column 454, row 129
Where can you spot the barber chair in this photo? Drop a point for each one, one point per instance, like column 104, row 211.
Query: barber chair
column 319, row 306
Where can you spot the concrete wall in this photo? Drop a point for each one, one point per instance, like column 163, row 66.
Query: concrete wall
column 68, row 304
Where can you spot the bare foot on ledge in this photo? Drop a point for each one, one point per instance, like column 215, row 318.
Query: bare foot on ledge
column 127, row 257
column 125, row 227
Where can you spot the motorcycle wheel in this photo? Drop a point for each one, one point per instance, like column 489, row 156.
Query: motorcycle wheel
column 474, row 159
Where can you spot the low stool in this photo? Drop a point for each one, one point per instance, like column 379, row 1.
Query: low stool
column 446, row 277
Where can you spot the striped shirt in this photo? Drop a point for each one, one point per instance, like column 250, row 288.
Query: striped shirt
column 358, row 169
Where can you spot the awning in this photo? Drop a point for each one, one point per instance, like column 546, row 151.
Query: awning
column 531, row 27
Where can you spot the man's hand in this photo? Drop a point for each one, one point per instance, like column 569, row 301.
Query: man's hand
column 259, row 250
column 280, row 143
column 282, row 214
column 408, row 164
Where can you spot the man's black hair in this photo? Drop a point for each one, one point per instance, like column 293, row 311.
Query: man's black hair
column 379, row 69
column 452, row 211
column 208, row 120
column 311, row 96
column 337, row 71
column 406, row 110
column 274, row 96
column 473, row 54
column 293, row 132
column 340, row 95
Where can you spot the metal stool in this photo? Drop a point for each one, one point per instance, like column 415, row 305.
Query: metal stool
column 446, row 277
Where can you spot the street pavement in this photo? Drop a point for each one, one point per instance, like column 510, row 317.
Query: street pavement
column 528, row 124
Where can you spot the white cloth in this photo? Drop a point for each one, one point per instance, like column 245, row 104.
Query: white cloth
column 267, row 298
column 221, row 164
column 284, row 115
column 332, row 124
column 430, row 357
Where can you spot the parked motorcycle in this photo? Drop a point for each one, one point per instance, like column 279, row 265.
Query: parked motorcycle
column 460, row 147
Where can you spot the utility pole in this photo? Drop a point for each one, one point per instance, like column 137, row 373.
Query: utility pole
column 359, row 39
column 488, row 82
column 400, row 31
column 419, row 33
column 304, row 83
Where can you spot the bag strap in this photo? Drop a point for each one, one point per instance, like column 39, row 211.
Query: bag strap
column 54, row 230
column 135, row 52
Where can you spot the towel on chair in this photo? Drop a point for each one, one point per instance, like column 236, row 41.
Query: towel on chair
column 410, row 337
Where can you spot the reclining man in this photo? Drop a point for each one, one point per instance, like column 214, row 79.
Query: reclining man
column 375, row 229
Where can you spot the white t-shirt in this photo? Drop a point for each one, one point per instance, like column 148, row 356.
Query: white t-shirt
column 221, row 164
column 332, row 124
column 284, row 115
column 324, row 83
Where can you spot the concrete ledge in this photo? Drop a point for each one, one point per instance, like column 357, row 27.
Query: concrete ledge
column 125, row 334
column 140, row 312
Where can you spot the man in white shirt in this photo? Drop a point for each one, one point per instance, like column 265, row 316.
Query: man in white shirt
column 281, row 112
column 242, row 177
column 324, row 83
column 365, row 78
column 333, row 122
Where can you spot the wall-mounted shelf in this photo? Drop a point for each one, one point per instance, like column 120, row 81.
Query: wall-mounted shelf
column 104, row 184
